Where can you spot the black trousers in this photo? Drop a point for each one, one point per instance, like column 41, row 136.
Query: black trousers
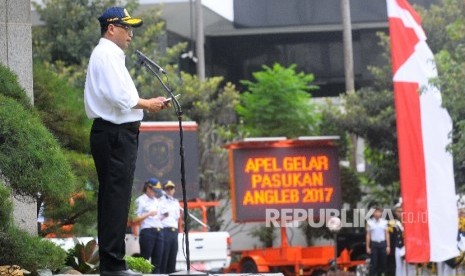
column 170, row 250
column 151, row 247
column 114, row 149
column 378, row 258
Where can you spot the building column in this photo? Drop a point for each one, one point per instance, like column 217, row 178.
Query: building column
column 16, row 53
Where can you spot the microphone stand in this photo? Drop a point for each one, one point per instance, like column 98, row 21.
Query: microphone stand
column 177, row 107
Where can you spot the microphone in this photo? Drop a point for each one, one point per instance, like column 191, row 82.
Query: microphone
column 142, row 59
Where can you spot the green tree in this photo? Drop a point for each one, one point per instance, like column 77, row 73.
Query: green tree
column 70, row 28
column 369, row 113
column 61, row 109
column 64, row 43
column 80, row 209
column 31, row 163
column 278, row 103
column 30, row 157
column 444, row 25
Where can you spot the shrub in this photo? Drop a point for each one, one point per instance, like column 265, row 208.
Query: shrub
column 31, row 253
column 60, row 107
column 139, row 264
column 30, row 157
column 10, row 88
column 6, row 207
column 32, row 162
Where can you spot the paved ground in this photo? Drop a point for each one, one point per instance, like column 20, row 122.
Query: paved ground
column 193, row 274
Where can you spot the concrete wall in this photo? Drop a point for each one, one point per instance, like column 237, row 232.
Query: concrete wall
column 16, row 53
column 16, row 40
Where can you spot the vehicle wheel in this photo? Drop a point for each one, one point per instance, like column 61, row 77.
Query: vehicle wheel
column 318, row 272
column 249, row 266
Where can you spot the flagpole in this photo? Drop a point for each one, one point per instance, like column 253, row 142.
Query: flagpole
column 347, row 43
column 348, row 62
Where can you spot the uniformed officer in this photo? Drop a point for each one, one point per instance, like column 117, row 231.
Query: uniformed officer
column 170, row 220
column 402, row 267
column 377, row 242
column 148, row 213
column 112, row 101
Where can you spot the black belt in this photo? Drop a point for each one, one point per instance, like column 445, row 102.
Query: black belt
column 172, row 229
column 158, row 229
column 378, row 242
column 131, row 125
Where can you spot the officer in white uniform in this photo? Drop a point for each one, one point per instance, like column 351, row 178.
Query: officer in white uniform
column 377, row 242
column 112, row 101
column 148, row 213
column 170, row 228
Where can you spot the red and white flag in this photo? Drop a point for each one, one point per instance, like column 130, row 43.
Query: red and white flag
column 423, row 132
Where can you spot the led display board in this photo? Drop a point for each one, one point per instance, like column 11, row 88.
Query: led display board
column 289, row 174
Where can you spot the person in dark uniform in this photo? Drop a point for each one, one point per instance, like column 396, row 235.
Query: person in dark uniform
column 402, row 267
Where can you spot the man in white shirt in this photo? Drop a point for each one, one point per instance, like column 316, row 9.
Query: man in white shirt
column 170, row 222
column 112, row 100
column 377, row 242
column 149, row 214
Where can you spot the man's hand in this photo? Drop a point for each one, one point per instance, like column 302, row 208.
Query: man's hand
column 368, row 250
column 167, row 102
column 153, row 104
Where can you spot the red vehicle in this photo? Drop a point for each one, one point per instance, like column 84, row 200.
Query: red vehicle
column 291, row 260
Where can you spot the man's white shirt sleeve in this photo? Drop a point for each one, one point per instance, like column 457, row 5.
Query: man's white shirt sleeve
column 110, row 92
